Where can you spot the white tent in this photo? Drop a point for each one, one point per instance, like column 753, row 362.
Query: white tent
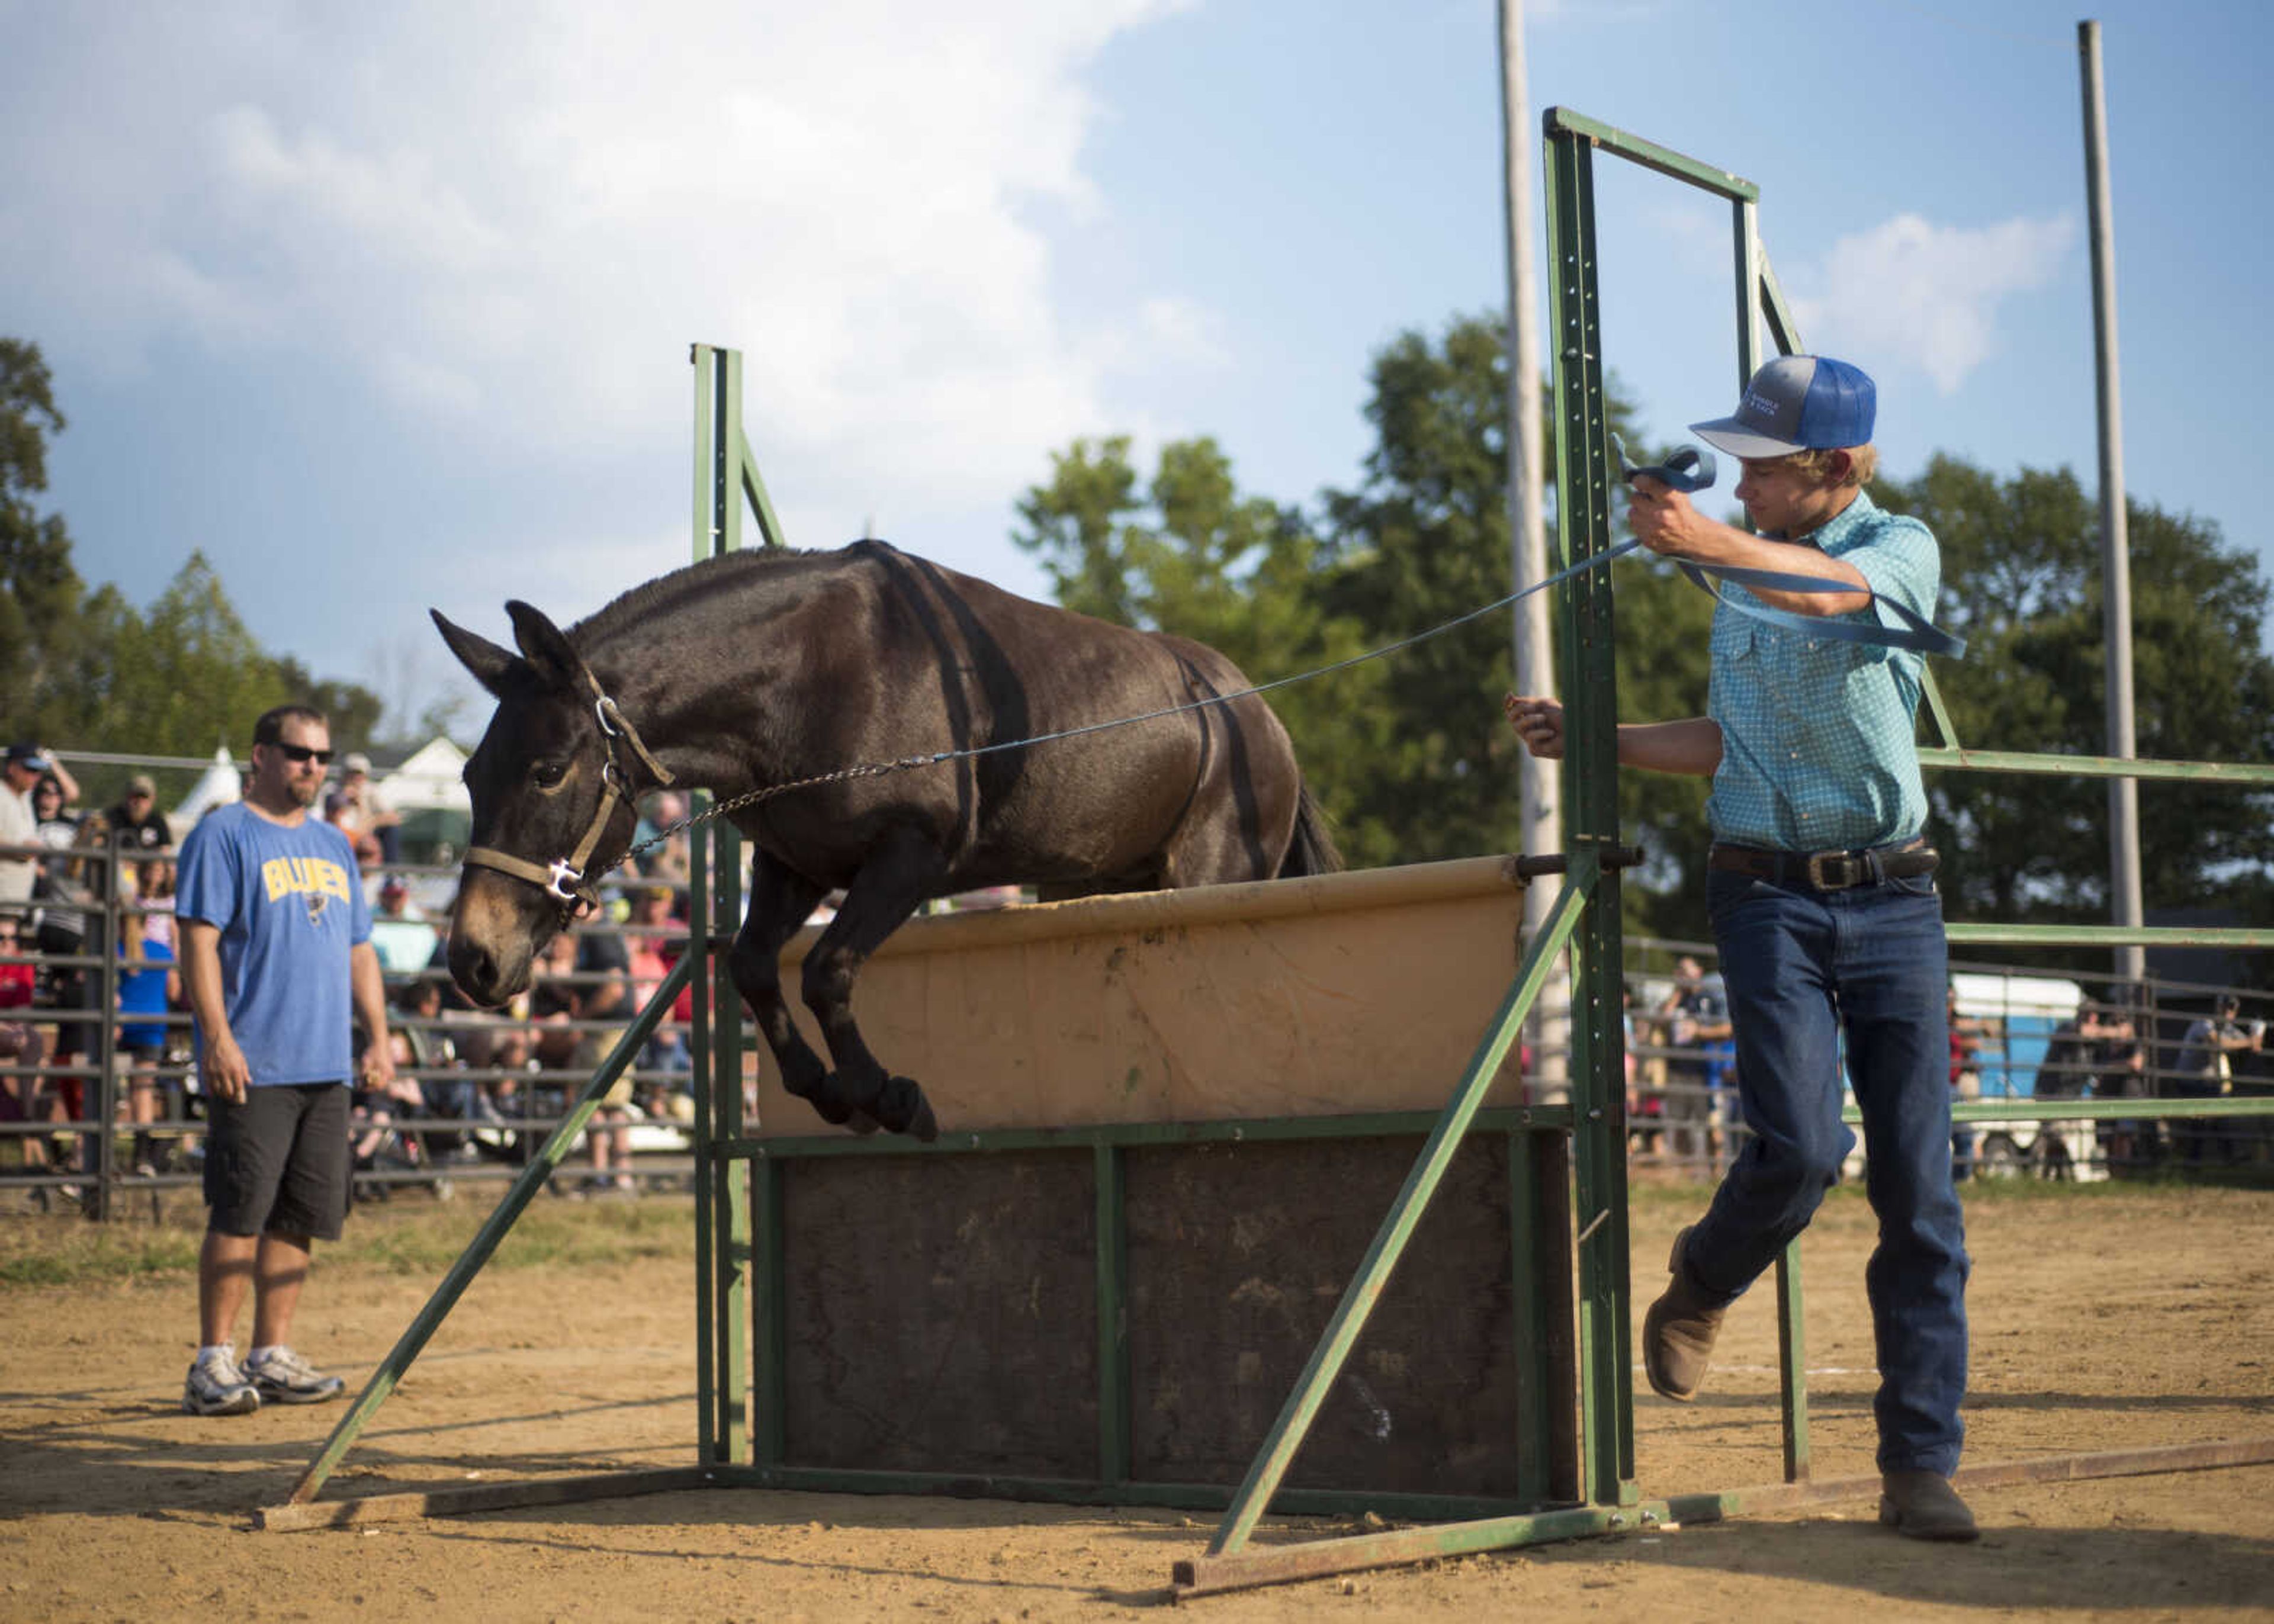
column 429, row 781
column 221, row 785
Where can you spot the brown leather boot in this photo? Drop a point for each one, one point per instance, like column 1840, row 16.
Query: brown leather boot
column 1677, row 1334
column 1921, row 1504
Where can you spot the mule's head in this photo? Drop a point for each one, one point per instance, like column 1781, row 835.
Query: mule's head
column 537, row 781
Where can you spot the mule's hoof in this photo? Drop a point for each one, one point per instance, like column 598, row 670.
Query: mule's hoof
column 902, row 1108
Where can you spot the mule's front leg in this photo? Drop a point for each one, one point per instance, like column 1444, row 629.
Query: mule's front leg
column 780, row 901
column 900, row 874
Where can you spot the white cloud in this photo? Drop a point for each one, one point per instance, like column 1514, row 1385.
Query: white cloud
column 1927, row 293
column 507, row 223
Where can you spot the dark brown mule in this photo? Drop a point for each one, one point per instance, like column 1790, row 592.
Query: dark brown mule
column 762, row 668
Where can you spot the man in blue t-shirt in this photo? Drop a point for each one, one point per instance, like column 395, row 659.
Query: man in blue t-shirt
column 277, row 960
column 1821, row 894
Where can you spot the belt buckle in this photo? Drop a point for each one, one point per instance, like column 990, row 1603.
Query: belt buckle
column 1852, row 870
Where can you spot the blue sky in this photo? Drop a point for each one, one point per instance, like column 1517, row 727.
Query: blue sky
column 388, row 307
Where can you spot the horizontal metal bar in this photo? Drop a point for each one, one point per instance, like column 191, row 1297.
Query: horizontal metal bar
column 1093, row 1492
column 2103, row 1110
column 1374, row 1124
column 1280, row 1564
column 1964, row 760
column 2103, row 935
column 457, row 1500
column 1665, row 160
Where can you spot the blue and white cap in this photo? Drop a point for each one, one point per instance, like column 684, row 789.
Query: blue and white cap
column 1797, row 403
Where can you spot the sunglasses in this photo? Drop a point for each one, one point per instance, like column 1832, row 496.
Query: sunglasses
column 296, row 753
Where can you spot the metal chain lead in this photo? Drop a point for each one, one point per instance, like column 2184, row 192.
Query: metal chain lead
column 875, row 769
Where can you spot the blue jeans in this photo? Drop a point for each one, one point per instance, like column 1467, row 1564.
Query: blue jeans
column 1803, row 967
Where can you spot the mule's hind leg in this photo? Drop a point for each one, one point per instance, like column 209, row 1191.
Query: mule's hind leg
column 900, row 872
column 780, row 900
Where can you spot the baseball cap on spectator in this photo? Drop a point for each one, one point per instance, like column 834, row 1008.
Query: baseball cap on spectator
column 1797, row 403
column 29, row 756
column 396, row 883
column 142, row 783
column 355, row 761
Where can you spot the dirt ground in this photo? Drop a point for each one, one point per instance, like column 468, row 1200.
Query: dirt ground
column 2103, row 1319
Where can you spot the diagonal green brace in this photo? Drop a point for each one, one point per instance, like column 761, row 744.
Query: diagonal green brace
column 493, row 1232
column 1357, row 1303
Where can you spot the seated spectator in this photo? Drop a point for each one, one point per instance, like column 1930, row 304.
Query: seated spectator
column 135, row 824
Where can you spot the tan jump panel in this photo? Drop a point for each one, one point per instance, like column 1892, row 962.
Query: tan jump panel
column 1316, row 996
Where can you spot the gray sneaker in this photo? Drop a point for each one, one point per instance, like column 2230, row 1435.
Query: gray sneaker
column 285, row 1378
column 217, row 1387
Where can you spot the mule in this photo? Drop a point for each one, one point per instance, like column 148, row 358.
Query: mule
column 762, row 668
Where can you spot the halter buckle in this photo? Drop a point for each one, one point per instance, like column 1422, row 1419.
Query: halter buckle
column 565, row 882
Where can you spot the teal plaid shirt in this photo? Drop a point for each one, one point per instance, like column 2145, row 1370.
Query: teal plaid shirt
column 1818, row 736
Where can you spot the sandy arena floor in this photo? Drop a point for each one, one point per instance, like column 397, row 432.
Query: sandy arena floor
column 2103, row 1319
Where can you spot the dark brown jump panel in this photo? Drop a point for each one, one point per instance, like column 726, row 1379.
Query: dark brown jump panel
column 941, row 1314
column 1237, row 1254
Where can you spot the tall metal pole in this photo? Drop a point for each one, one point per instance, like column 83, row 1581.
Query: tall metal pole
column 2115, row 544
column 1538, row 784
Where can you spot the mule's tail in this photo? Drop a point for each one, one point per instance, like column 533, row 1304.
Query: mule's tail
column 1312, row 849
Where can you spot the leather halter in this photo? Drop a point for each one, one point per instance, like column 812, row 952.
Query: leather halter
column 563, row 879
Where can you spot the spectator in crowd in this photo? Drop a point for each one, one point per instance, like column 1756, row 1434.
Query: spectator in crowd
column 149, row 984
column 279, row 967
column 668, row 858
column 399, row 934
column 135, row 824
column 154, row 884
column 58, row 824
column 2205, row 1071
column 1695, row 1015
column 651, row 947
column 25, row 766
column 355, row 808
column 1966, row 1035
column 2120, row 1072
column 23, row 1046
column 2065, row 1073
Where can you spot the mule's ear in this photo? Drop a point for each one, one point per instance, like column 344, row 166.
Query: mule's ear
column 490, row 663
column 541, row 641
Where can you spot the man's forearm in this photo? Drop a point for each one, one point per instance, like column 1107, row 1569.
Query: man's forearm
column 1692, row 746
column 202, row 974
column 369, row 984
column 1725, row 543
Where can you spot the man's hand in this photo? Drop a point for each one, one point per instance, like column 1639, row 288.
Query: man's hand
column 1539, row 723
column 378, row 1064
column 225, row 1073
column 1662, row 519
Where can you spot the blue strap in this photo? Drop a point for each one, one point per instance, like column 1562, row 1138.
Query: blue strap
column 1689, row 469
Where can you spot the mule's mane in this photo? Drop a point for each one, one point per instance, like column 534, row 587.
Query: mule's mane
column 745, row 568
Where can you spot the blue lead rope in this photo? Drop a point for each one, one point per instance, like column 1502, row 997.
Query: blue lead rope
column 1689, row 469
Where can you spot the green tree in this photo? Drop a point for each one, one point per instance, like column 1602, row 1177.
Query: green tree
column 39, row 606
column 1424, row 538
column 1184, row 553
column 2021, row 579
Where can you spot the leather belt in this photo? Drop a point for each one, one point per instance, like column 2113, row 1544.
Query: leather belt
column 1826, row 871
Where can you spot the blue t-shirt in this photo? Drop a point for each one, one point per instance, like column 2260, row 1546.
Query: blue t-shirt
column 288, row 908
column 143, row 992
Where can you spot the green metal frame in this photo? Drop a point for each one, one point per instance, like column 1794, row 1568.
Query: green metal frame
column 740, row 1281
